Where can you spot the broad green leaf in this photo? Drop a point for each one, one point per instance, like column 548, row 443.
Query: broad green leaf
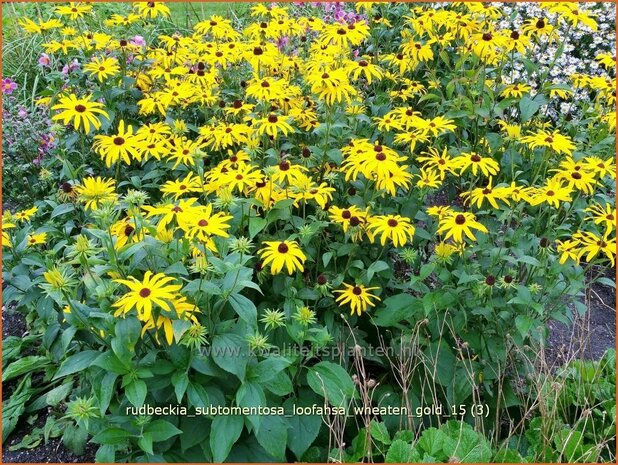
column 332, row 382
column 136, row 392
column 224, row 433
column 112, row 436
column 273, row 435
column 379, row 432
column 77, row 362
column 231, row 353
column 24, row 365
column 161, row 430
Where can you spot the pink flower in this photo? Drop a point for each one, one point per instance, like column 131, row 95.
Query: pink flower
column 44, row 60
column 138, row 41
column 8, row 86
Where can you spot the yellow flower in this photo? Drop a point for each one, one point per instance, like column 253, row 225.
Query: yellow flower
column 94, row 191
column 74, row 10
column 605, row 215
column 553, row 140
column 553, row 193
column 515, row 90
column 273, row 125
column 152, row 290
column 457, row 224
column 124, row 144
column 476, row 163
column 152, row 9
column 34, row 239
column 593, row 245
column 25, row 215
column 280, row 254
column 394, row 227
column 200, row 222
column 102, row 68
column 358, row 297
column 179, row 187
column 81, row 111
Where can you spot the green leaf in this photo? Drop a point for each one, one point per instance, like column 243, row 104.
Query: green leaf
column 256, row 224
column 180, row 381
column 58, row 394
column 400, row 452
column 273, row 435
column 523, row 323
column 251, row 395
column 179, row 327
column 24, row 365
column 62, row 209
column 15, row 406
column 267, row 369
column 303, row 429
column 431, row 441
column 332, row 382
column 108, row 361
column 176, row 268
column 379, row 432
column 136, row 392
column 231, row 353
column 245, row 309
column 198, row 396
column 528, row 107
column 396, row 308
column 161, row 430
column 145, row 443
column 224, row 433
column 77, row 362
column 111, row 436
column 106, row 391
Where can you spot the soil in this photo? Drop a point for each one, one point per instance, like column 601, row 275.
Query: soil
column 591, row 334
column 52, row 452
column 14, row 324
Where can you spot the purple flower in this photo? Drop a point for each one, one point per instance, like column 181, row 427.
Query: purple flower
column 44, row 60
column 8, row 86
column 138, row 41
column 22, row 112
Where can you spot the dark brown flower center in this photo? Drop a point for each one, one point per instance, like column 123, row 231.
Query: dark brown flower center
column 346, row 214
column 118, row 140
column 283, row 248
column 475, row 158
column 203, row 223
column 363, row 63
column 540, row 24
column 273, row 119
column 392, row 223
column 354, row 221
column 550, row 193
column 258, row 51
column 487, row 36
column 460, row 219
column 128, row 230
column 80, row 108
column 380, row 156
column 284, row 166
column 357, row 290
column 145, row 292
